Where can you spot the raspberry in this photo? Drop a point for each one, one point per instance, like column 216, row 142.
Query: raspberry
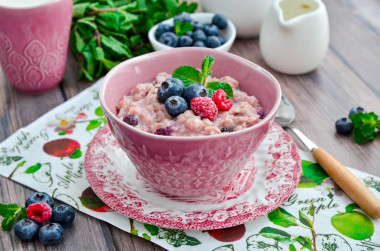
column 204, row 107
column 39, row 212
column 219, row 99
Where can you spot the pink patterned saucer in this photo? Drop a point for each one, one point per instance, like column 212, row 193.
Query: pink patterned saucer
column 268, row 179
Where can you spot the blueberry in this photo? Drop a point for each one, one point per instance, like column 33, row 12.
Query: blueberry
column 356, row 110
column 219, row 21
column 131, row 120
column 199, row 44
column 161, row 29
column 175, row 105
column 26, row 229
column 225, row 129
column 213, row 42
column 39, row 197
column 63, row 215
column 199, row 35
column 190, row 34
column 169, row 38
column 222, row 40
column 343, row 126
column 194, row 90
column 185, row 41
column 211, row 30
column 184, row 17
column 164, row 131
column 197, row 25
column 170, row 87
column 51, row 234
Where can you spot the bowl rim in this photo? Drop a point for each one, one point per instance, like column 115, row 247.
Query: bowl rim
column 250, row 64
column 228, row 42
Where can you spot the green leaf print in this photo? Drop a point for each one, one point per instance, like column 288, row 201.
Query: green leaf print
column 93, row 124
column 313, row 172
column 7, row 160
column 91, row 202
column 274, row 233
column 351, row 207
column 99, row 112
column 305, row 220
column 76, row 154
column 145, row 236
column 304, row 241
column 33, row 169
column 282, row 218
column 135, row 232
column 292, row 247
column 153, row 230
column 191, row 241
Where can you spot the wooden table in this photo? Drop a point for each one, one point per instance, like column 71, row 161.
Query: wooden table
column 349, row 76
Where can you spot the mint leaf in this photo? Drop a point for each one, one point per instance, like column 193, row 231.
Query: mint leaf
column 207, row 63
column 187, row 74
column 8, row 222
column 365, row 125
column 181, row 28
column 214, row 86
column 9, row 212
column 22, row 214
column 33, row 169
column 5, row 210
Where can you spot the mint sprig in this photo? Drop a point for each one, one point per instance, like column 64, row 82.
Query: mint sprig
column 181, row 28
column 104, row 33
column 366, row 127
column 189, row 75
column 11, row 213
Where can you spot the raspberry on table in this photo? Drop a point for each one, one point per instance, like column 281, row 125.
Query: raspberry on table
column 219, row 98
column 204, row 107
column 39, row 212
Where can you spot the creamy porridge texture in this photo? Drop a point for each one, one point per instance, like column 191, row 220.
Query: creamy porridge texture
column 143, row 110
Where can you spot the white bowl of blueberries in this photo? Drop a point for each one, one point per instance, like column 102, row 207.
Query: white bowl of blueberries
column 193, row 30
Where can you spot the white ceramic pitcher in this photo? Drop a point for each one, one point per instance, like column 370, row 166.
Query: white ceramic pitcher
column 294, row 37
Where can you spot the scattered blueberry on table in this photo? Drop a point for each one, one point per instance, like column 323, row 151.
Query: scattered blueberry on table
column 197, row 34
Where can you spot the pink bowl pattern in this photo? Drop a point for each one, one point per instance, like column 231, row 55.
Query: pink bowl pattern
column 189, row 166
column 269, row 178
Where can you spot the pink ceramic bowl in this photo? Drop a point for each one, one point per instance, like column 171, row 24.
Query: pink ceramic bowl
column 189, row 166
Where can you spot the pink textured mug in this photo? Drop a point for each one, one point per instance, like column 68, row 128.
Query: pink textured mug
column 34, row 38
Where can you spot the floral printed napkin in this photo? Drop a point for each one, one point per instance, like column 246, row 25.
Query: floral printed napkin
column 317, row 216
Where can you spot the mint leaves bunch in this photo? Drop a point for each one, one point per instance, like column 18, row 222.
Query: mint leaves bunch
column 366, row 127
column 11, row 213
column 189, row 75
column 104, row 33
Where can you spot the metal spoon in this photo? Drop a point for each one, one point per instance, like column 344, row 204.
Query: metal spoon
column 345, row 179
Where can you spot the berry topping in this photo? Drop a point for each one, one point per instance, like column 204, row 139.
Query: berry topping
column 51, row 234
column 211, row 30
column 39, row 212
column 63, row 214
column 197, row 25
column 260, row 113
column 194, row 90
column 175, row 105
column 169, row 38
column 204, row 107
column 225, row 129
column 26, row 229
column 219, row 21
column 39, row 197
column 344, row 126
column 222, row 39
column 213, row 42
column 356, row 110
column 164, row 131
column 170, row 87
column 219, row 98
column 184, row 17
column 185, row 41
column 131, row 120
column 161, row 29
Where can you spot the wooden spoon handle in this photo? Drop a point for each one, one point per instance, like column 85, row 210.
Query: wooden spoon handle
column 347, row 181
